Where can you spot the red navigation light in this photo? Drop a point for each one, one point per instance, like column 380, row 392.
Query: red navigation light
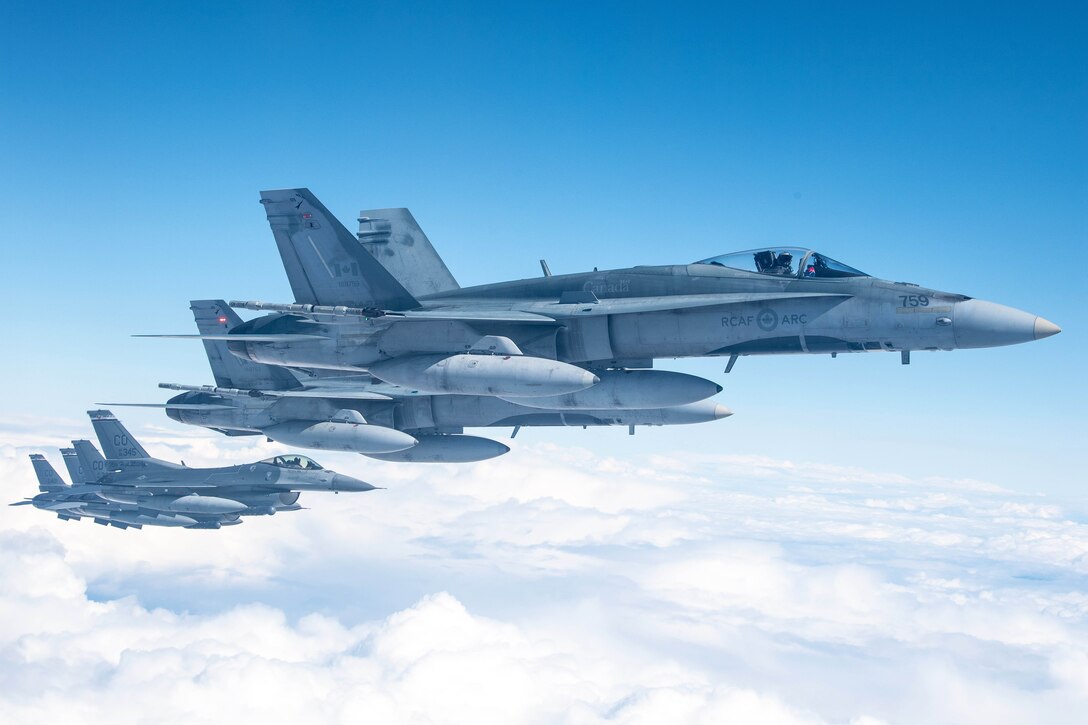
column 222, row 319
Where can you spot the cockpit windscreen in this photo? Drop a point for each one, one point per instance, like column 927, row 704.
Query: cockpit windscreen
column 296, row 462
column 785, row 262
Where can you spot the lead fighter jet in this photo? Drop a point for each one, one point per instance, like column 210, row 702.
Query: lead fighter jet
column 381, row 333
column 129, row 488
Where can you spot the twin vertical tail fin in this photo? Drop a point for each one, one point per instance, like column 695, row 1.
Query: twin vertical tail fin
column 48, row 478
column 325, row 263
column 215, row 317
column 393, row 237
column 117, row 442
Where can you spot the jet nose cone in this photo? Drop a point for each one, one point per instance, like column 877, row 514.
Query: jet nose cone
column 589, row 379
column 720, row 411
column 977, row 323
column 1045, row 328
column 341, row 482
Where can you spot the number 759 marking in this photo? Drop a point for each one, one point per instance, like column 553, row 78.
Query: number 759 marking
column 913, row 301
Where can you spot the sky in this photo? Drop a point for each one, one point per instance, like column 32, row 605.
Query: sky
column 854, row 525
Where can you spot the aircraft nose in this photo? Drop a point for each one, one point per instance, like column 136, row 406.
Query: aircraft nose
column 720, row 411
column 978, row 323
column 341, row 482
column 1045, row 328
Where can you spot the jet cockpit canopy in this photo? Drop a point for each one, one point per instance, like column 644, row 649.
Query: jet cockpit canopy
column 785, row 262
column 293, row 461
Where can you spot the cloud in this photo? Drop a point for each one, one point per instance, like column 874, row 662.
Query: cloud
column 557, row 585
column 80, row 660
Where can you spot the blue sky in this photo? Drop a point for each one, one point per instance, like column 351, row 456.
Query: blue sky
column 938, row 145
column 861, row 542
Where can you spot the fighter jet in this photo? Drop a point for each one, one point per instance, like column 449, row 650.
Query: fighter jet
column 128, row 488
column 383, row 311
column 339, row 410
column 553, row 335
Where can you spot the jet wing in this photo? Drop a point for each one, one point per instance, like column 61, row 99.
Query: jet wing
column 478, row 315
column 445, row 314
column 325, row 393
column 176, row 406
column 243, row 338
column 313, row 392
column 628, row 305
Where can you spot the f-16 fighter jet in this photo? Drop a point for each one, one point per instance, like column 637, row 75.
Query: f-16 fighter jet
column 382, row 311
column 129, row 488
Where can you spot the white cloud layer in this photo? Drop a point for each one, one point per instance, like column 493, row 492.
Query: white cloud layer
column 555, row 585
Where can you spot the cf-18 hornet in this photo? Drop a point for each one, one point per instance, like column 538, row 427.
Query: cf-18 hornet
column 385, row 346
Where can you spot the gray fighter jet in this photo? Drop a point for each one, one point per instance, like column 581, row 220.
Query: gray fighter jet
column 379, row 314
column 129, row 488
column 551, row 336
column 338, row 410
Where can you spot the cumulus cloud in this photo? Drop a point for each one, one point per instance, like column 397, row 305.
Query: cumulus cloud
column 556, row 585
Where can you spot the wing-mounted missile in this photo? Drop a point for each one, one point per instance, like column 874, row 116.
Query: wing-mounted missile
column 346, row 431
column 630, row 389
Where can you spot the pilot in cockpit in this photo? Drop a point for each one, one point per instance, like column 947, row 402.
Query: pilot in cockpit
column 783, row 265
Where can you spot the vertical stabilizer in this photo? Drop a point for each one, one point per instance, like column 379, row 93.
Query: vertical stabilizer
column 215, row 317
column 394, row 238
column 90, row 460
column 48, row 478
column 325, row 263
column 117, row 442
column 76, row 471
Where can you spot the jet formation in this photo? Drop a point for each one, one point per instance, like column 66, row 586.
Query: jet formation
column 383, row 353
column 127, row 488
